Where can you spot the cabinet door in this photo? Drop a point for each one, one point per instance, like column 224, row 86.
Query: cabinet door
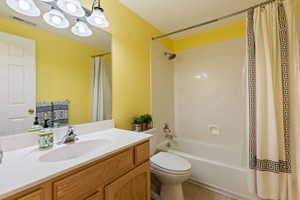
column 135, row 185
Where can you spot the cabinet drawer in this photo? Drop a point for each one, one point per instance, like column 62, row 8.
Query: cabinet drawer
column 86, row 182
column 141, row 153
column 37, row 195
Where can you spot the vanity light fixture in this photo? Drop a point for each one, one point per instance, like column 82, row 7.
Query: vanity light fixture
column 97, row 18
column 81, row 29
column 56, row 19
column 72, row 7
column 25, row 7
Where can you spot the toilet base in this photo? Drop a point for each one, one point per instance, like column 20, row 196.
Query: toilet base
column 171, row 192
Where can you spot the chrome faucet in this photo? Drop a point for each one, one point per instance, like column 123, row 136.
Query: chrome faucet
column 1, row 154
column 70, row 136
column 168, row 132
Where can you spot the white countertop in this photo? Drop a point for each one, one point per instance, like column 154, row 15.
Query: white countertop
column 22, row 168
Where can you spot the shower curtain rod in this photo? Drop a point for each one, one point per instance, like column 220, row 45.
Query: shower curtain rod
column 213, row 21
column 104, row 54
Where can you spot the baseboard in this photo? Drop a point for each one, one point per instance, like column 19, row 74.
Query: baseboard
column 221, row 191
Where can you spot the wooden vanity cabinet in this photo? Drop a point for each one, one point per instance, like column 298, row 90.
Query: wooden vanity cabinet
column 86, row 182
column 135, row 185
column 124, row 175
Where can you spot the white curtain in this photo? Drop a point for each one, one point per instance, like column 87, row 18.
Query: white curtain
column 294, row 83
column 101, row 90
column 273, row 95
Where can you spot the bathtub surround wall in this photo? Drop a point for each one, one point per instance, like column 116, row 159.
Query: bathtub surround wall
column 210, row 102
column 210, row 96
column 162, row 84
column 209, row 109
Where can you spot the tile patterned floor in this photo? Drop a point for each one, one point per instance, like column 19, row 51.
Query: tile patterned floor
column 194, row 192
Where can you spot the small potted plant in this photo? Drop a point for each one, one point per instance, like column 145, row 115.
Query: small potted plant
column 137, row 124
column 144, row 124
column 148, row 120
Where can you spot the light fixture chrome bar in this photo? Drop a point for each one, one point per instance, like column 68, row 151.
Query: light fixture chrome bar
column 212, row 21
column 103, row 54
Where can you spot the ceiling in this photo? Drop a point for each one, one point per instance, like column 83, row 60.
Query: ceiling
column 100, row 39
column 171, row 15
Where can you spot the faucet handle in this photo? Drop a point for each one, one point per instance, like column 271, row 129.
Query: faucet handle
column 70, row 128
column 166, row 129
column 71, row 131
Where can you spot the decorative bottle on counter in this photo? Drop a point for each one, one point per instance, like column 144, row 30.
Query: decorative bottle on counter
column 46, row 137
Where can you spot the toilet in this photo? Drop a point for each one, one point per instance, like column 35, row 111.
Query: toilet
column 171, row 170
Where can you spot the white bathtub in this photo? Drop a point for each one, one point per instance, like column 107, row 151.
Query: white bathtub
column 216, row 167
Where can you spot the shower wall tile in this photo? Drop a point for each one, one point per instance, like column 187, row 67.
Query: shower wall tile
column 210, row 96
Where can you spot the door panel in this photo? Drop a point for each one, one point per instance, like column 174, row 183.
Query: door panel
column 17, row 83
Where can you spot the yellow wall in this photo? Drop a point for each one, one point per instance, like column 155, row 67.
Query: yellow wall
column 214, row 36
column 63, row 69
column 131, row 44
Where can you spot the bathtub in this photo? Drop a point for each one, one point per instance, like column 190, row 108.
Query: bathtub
column 215, row 167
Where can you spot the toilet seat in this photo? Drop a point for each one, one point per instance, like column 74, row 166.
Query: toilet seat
column 169, row 163
column 159, row 169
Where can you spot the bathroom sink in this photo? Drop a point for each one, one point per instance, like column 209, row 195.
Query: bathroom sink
column 72, row 151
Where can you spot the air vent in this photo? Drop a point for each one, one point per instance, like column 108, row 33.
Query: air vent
column 23, row 21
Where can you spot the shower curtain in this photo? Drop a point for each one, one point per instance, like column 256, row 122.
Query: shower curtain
column 274, row 102
column 101, row 90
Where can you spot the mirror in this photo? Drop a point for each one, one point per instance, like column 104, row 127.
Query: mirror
column 51, row 73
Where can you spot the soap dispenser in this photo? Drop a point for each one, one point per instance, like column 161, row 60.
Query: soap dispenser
column 46, row 137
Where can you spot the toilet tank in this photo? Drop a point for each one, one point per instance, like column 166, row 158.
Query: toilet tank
column 153, row 140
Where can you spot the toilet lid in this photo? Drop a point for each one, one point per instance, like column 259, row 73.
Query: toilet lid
column 170, row 162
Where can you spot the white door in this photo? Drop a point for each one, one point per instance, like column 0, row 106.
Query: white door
column 17, row 83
